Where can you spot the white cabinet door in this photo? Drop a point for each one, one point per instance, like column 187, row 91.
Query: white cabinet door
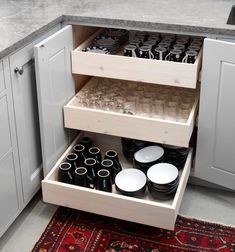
column 55, row 88
column 216, row 128
column 10, row 182
column 27, row 122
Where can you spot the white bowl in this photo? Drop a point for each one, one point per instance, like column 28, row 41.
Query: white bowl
column 162, row 173
column 130, row 181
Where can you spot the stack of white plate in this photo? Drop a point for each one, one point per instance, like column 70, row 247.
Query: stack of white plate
column 163, row 179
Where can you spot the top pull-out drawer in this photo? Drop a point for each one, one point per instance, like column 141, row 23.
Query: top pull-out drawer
column 135, row 69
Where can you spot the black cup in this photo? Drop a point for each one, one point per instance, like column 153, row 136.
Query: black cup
column 130, row 51
column 72, row 158
column 108, row 164
column 87, row 143
column 92, row 169
column 145, row 52
column 112, row 155
column 175, row 55
column 94, row 152
column 190, row 57
column 104, row 182
column 81, row 179
column 79, row 149
column 65, row 173
column 160, row 53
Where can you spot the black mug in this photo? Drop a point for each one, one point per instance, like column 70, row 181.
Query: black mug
column 79, row 149
column 130, row 51
column 92, row 169
column 113, row 155
column 72, row 158
column 65, row 173
column 87, row 143
column 175, row 55
column 104, row 182
column 94, row 152
column 145, row 52
column 80, row 177
column 108, row 164
column 160, row 53
column 190, row 57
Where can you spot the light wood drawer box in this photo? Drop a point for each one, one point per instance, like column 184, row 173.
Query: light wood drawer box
column 167, row 131
column 135, row 69
column 141, row 210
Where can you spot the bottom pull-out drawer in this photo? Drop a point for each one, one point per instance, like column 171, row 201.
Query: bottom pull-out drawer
column 146, row 210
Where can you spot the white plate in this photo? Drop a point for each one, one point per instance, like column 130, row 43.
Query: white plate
column 130, row 180
column 162, row 173
column 149, row 154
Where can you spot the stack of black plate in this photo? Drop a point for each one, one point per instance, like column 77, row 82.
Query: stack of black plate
column 96, row 49
column 121, row 34
column 147, row 157
column 131, row 182
column 175, row 155
column 163, row 179
column 130, row 146
column 111, row 43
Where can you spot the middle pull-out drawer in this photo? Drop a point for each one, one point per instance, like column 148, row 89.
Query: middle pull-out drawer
column 145, row 210
column 140, row 111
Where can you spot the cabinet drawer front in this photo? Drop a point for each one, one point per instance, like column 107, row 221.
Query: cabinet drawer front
column 141, row 210
column 164, row 130
column 135, row 69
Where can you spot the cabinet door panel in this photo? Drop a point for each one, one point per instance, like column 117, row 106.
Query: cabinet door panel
column 27, row 122
column 5, row 136
column 216, row 128
column 225, row 121
column 55, row 87
column 9, row 206
column 2, row 80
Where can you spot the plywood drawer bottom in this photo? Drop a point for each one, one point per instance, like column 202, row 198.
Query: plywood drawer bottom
column 145, row 210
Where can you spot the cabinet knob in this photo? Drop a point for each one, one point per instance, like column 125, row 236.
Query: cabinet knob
column 19, row 70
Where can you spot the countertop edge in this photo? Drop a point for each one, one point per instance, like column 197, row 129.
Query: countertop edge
column 131, row 24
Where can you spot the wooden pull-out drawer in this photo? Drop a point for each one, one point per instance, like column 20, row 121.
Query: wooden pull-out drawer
column 135, row 69
column 162, row 130
column 146, row 210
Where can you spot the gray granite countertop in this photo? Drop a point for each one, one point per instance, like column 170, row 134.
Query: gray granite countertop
column 23, row 20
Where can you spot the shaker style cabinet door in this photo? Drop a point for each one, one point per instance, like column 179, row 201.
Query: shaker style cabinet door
column 10, row 182
column 27, row 122
column 55, row 87
column 216, row 127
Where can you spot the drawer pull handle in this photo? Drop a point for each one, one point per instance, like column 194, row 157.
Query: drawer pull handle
column 19, row 70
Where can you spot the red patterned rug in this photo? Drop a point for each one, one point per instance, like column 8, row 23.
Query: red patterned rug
column 71, row 230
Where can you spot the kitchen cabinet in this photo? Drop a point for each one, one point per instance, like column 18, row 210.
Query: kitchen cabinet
column 56, row 90
column 216, row 135
column 20, row 148
column 10, row 193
